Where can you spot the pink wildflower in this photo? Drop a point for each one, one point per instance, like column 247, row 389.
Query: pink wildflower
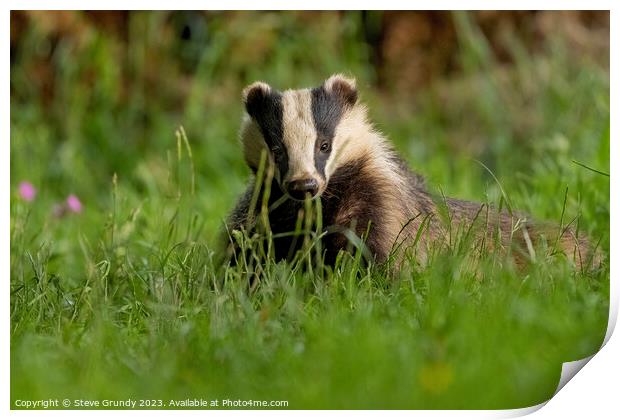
column 74, row 204
column 27, row 191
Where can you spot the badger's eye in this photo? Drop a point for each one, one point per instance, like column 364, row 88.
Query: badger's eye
column 324, row 147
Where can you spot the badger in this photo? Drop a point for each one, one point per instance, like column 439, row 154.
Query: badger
column 317, row 144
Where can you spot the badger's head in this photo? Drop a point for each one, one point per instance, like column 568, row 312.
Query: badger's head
column 304, row 132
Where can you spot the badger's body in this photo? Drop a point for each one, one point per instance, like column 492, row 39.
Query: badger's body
column 320, row 145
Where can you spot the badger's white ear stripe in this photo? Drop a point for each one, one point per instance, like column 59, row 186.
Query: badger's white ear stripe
column 256, row 88
column 343, row 87
column 339, row 79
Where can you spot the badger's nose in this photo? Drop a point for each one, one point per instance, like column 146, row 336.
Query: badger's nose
column 300, row 187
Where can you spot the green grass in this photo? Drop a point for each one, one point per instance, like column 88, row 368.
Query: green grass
column 126, row 299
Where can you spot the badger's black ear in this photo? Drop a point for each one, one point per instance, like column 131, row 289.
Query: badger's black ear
column 255, row 97
column 344, row 88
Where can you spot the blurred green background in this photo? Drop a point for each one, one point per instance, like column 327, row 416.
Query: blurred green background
column 118, row 299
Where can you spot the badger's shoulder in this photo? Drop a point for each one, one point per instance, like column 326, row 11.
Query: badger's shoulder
column 374, row 198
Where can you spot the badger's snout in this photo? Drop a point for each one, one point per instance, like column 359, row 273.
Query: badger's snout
column 299, row 188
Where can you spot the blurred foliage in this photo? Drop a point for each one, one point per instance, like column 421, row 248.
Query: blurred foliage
column 122, row 299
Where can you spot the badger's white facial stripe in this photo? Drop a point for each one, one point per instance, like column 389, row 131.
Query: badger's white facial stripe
column 299, row 134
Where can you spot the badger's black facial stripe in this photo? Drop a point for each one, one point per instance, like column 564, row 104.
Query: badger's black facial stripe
column 327, row 109
column 266, row 109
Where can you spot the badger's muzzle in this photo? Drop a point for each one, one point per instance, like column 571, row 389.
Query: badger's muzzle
column 300, row 188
